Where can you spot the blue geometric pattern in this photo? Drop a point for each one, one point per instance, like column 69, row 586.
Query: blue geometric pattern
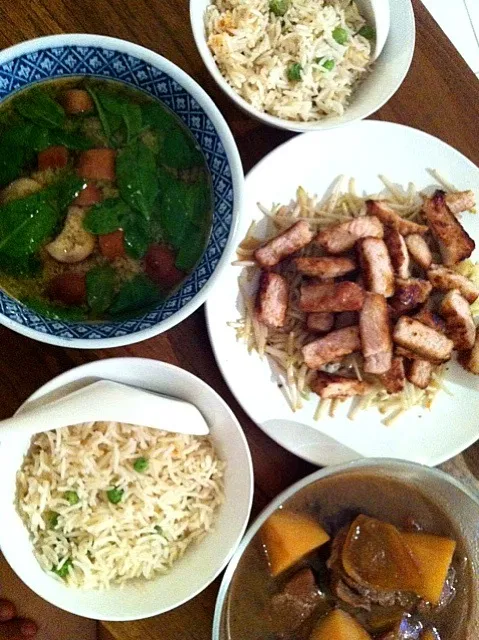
column 108, row 63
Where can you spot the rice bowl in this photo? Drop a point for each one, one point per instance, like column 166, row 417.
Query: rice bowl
column 128, row 508
column 203, row 560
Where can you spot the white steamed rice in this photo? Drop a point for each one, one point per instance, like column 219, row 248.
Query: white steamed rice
column 162, row 511
column 254, row 49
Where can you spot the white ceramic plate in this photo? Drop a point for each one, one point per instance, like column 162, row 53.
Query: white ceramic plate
column 363, row 150
column 202, row 562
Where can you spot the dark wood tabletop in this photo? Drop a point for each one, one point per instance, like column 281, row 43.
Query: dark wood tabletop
column 440, row 96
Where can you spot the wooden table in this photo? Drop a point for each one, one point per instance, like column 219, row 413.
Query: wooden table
column 440, row 96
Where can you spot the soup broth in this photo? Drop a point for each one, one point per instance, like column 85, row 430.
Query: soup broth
column 335, row 502
column 106, row 199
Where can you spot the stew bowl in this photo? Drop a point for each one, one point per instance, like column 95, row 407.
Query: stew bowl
column 63, row 56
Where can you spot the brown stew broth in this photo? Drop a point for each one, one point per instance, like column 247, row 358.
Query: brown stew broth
column 335, row 502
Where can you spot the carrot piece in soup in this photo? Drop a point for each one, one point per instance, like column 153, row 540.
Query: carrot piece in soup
column 53, row 158
column 289, row 536
column 339, row 625
column 97, row 164
column 112, row 245
column 77, row 101
column 68, row 288
column 160, row 266
column 88, row 196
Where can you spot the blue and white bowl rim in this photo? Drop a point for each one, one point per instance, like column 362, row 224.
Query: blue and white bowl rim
column 100, row 56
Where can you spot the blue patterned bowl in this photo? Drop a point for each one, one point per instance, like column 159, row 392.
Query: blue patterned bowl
column 72, row 55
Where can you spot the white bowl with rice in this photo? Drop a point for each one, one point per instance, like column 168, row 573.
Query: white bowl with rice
column 307, row 69
column 85, row 510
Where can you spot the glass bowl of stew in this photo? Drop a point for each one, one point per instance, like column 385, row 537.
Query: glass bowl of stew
column 374, row 549
column 120, row 186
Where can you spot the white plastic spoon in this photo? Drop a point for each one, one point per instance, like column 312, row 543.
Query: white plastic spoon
column 108, row 401
column 378, row 15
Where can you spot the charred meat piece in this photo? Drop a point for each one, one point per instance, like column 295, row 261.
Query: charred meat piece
column 454, row 243
column 397, row 251
column 326, row 268
column 430, row 319
column 394, row 380
column 419, row 250
column 425, row 342
column 459, row 321
column 410, row 355
column 409, row 294
column 420, row 373
column 328, row 385
column 320, row 322
column 288, row 242
column 346, row 319
column 374, row 329
column 470, row 359
column 390, row 218
column 459, row 201
column 296, row 602
column 342, row 237
column 447, row 279
column 331, row 297
column 376, row 266
column 272, row 299
column 331, row 347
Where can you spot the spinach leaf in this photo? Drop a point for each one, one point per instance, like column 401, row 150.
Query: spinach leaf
column 54, row 311
column 70, row 140
column 178, row 148
column 191, row 249
column 39, row 107
column 63, row 192
column 100, row 288
column 25, row 224
column 135, row 295
column 107, row 216
column 137, row 178
column 110, row 124
column 26, row 266
column 136, row 236
column 133, row 121
column 12, row 158
column 179, row 151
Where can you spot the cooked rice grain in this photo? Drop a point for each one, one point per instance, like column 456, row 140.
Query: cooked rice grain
column 163, row 510
column 254, row 49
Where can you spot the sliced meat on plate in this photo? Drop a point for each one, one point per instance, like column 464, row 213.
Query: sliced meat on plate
column 320, row 322
column 459, row 201
column 397, row 251
column 430, row 319
column 272, row 299
column 345, row 319
column 287, row 243
column 376, row 341
column 342, row 237
column 421, row 340
column 470, row 359
column 409, row 294
column 394, row 380
column 328, row 385
column 419, row 250
column 390, row 218
column 446, row 279
column 420, row 372
column 411, row 355
column 376, row 266
column 454, row 243
column 327, row 267
column 459, row 321
column 331, row 297
column 332, row 347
